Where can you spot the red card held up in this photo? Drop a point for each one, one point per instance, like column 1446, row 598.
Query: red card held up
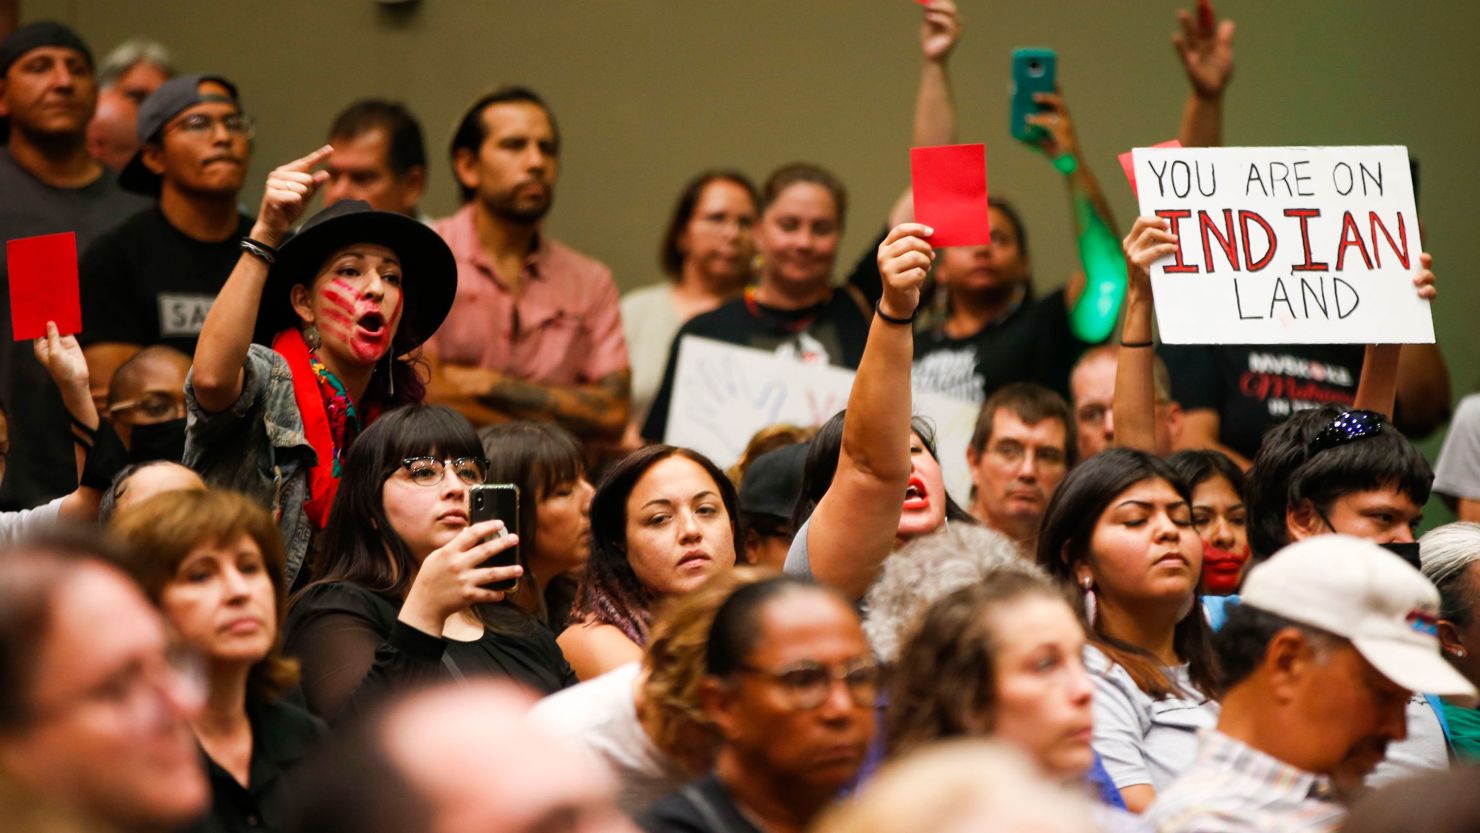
column 950, row 189
column 43, row 285
column 1129, row 163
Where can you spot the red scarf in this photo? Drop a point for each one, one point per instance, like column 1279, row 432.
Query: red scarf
column 325, row 425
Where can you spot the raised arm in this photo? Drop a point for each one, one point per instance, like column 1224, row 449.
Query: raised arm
column 63, row 359
column 1384, row 374
column 853, row 528
column 1135, row 388
column 1095, row 292
column 935, row 105
column 221, row 352
column 1205, row 46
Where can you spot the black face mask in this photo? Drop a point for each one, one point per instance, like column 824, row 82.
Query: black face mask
column 1408, row 551
column 160, row 441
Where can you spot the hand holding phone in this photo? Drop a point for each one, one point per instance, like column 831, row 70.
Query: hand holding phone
column 1034, row 71
column 498, row 501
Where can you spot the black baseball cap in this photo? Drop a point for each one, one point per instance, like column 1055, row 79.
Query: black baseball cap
column 172, row 98
column 36, row 35
column 773, row 481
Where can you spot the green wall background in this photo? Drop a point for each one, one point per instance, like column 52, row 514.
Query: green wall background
column 649, row 92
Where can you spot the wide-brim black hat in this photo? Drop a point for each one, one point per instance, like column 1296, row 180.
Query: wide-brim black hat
column 428, row 270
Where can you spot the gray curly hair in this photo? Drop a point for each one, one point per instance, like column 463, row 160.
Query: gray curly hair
column 931, row 567
column 1447, row 552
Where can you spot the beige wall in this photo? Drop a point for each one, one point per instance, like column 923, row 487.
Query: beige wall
column 650, row 91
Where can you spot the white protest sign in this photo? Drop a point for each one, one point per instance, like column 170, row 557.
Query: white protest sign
column 723, row 394
column 1289, row 245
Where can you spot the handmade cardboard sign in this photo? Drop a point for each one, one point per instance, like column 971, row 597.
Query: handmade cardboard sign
column 950, row 191
column 1293, row 245
column 723, row 394
column 43, row 285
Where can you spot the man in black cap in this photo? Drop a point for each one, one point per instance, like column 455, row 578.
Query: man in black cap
column 49, row 184
column 768, row 493
column 152, row 279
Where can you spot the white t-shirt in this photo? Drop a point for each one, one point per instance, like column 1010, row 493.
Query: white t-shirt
column 601, row 715
column 649, row 323
column 1458, row 472
column 17, row 525
column 1424, row 750
column 1141, row 740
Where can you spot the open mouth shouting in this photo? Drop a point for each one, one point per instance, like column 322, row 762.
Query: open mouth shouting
column 916, row 496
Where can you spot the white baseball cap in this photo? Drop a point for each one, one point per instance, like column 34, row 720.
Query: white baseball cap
column 1357, row 590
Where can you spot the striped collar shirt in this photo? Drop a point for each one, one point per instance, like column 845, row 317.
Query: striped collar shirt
column 1234, row 788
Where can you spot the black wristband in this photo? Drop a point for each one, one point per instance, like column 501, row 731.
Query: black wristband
column 879, row 311
column 1138, row 344
column 104, row 460
column 260, row 250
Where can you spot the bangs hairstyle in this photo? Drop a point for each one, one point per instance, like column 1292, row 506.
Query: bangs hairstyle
column 360, row 545
column 538, row 457
column 159, row 533
column 944, row 684
column 822, row 465
column 805, row 172
column 1285, row 473
column 1063, row 542
column 1198, row 466
column 610, row 593
column 669, row 255
column 674, row 664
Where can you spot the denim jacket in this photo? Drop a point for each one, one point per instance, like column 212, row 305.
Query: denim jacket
column 257, row 446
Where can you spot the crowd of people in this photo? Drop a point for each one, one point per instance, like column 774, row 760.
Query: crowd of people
column 245, row 582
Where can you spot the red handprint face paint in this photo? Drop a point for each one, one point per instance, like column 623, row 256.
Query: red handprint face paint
column 1222, row 569
column 365, row 326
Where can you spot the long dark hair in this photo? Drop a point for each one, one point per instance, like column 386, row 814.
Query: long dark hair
column 610, row 593
column 1068, row 525
column 822, row 465
column 537, row 457
column 360, row 545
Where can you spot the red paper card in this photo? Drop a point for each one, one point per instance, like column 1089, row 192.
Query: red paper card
column 1129, row 164
column 950, row 189
column 43, row 285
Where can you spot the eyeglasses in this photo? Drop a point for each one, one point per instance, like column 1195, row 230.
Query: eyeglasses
column 807, row 684
column 429, row 471
column 1346, row 427
column 200, row 124
column 151, row 405
column 1012, row 453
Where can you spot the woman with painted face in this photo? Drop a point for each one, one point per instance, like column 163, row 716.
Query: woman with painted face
column 790, row 687
column 663, row 521
column 545, row 462
column 213, row 563
column 1119, row 532
column 1219, row 515
column 333, row 314
column 872, row 479
column 403, row 593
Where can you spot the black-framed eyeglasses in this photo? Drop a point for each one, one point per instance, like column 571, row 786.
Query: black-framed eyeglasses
column 807, row 684
column 429, row 471
column 1346, row 427
column 200, row 124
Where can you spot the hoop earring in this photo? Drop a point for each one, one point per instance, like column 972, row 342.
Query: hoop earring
column 1091, row 608
column 390, row 375
column 311, row 337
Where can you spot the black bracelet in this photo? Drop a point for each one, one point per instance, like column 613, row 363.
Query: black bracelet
column 1138, row 344
column 879, row 311
column 260, row 250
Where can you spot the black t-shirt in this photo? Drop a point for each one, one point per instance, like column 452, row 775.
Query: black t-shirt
column 354, row 651
column 41, row 466
column 702, row 806
column 1253, row 387
column 1033, row 343
column 282, row 735
column 832, row 332
column 146, row 282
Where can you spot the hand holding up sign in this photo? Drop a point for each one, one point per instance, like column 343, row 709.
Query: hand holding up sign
column 289, row 189
column 904, row 261
column 1150, row 240
column 1205, row 46
column 941, row 29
